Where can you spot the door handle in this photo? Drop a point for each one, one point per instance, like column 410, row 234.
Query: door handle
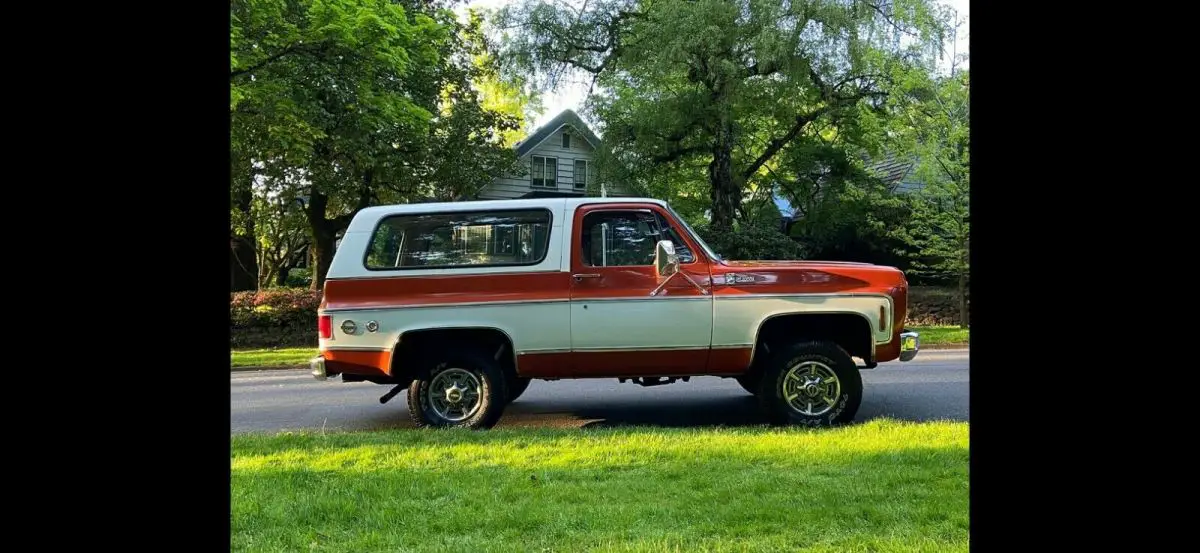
column 581, row 276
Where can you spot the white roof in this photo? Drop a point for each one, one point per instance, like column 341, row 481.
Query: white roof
column 364, row 220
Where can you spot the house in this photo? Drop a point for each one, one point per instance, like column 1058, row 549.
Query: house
column 898, row 175
column 556, row 160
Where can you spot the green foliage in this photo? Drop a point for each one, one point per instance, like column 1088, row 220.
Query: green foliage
column 350, row 103
column 720, row 92
column 278, row 317
column 751, row 242
column 936, row 132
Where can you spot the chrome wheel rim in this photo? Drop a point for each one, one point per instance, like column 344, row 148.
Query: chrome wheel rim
column 455, row 394
column 811, row 388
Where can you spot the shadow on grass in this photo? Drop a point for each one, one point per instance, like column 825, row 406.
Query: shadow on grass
column 864, row 488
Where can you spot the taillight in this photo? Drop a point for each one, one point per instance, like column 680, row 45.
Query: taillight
column 325, row 326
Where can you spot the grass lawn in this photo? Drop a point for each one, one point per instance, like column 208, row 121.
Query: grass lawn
column 271, row 357
column 940, row 335
column 878, row 486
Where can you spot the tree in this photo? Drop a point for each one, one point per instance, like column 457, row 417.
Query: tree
column 936, row 132
column 357, row 102
column 731, row 85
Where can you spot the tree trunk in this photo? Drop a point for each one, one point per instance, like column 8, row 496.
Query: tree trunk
column 282, row 276
column 323, row 232
column 962, row 299
column 725, row 192
column 243, row 260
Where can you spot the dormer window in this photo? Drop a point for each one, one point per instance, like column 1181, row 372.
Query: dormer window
column 566, row 140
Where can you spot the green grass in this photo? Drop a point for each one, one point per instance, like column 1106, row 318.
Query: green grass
column 879, row 486
column 941, row 335
column 270, row 357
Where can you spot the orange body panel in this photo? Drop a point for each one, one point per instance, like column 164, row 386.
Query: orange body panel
column 392, row 289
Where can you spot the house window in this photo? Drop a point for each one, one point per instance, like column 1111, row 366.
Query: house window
column 582, row 177
column 545, row 172
column 481, row 238
column 566, row 140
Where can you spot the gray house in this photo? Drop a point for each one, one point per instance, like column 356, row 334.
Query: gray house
column 555, row 161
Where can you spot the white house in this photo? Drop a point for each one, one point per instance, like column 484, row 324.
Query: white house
column 556, row 160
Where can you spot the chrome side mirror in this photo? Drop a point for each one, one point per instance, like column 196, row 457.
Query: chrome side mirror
column 666, row 261
column 666, row 265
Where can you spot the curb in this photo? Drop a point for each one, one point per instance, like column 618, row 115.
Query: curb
column 267, row 368
column 947, row 348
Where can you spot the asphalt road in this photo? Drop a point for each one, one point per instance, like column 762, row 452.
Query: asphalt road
column 932, row 386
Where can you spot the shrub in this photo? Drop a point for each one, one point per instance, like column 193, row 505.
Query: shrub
column 277, row 317
column 750, row 242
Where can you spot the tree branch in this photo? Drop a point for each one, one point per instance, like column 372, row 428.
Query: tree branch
column 290, row 49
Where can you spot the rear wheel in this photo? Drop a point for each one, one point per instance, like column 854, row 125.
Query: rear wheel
column 812, row 384
column 459, row 390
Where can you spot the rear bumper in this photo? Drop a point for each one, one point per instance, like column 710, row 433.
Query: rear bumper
column 317, row 364
column 910, row 344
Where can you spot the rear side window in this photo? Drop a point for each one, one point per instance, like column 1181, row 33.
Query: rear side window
column 468, row 239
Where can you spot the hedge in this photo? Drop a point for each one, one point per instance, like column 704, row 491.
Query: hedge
column 287, row 317
column 273, row 318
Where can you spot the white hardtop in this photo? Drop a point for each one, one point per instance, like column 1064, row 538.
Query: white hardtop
column 365, row 220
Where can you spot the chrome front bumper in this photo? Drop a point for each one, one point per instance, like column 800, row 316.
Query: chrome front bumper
column 318, row 368
column 910, row 344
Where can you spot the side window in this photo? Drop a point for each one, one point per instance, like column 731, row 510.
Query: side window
column 619, row 238
column 460, row 239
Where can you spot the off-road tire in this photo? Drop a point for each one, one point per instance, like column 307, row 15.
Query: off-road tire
column 493, row 396
column 775, row 374
column 516, row 387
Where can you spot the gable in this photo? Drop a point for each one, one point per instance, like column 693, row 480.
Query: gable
column 552, row 129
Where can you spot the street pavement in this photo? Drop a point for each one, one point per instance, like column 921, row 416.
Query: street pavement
column 933, row 386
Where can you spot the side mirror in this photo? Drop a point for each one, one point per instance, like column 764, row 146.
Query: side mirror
column 666, row 261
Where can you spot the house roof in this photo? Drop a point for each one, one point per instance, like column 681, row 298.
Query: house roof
column 896, row 172
column 567, row 117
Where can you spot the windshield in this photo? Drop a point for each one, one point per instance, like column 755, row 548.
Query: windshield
column 703, row 245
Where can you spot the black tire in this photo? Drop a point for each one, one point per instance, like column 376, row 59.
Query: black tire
column 811, row 360
column 516, row 387
column 750, row 382
column 492, row 396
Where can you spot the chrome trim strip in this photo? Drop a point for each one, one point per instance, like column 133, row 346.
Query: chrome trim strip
column 642, row 298
column 733, row 346
column 354, row 348
column 433, row 305
column 802, row 295
column 533, row 269
column 538, row 351
column 642, row 348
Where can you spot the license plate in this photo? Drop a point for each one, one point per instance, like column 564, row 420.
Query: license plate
column 910, row 343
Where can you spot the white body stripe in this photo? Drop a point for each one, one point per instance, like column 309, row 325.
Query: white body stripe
column 738, row 318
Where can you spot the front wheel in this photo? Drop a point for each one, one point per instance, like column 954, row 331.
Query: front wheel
column 460, row 390
column 811, row 384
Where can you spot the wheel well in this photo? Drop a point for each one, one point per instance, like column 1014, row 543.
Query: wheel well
column 850, row 331
column 416, row 345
